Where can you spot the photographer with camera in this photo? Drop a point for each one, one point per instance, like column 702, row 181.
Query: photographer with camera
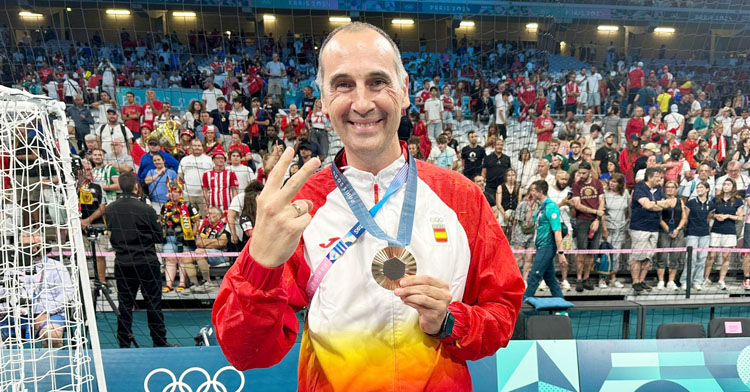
column 135, row 231
column 181, row 221
column 92, row 203
column 45, row 290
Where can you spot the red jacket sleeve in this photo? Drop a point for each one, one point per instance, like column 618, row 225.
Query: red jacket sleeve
column 486, row 315
column 254, row 312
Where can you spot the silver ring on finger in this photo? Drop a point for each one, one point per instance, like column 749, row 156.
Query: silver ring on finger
column 299, row 210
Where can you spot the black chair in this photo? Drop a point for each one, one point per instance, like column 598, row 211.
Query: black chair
column 680, row 331
column 727, row 327
column 548, row 327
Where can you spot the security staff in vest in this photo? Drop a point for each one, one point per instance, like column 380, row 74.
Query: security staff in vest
column 134, row 232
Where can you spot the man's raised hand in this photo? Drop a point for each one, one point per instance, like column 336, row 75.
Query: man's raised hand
column 279, row 223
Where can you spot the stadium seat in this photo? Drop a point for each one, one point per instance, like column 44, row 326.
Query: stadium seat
column 548, row 327
column 680, row 331
column 729, row 327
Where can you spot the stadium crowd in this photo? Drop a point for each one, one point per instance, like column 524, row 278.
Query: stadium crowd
column 636, row 156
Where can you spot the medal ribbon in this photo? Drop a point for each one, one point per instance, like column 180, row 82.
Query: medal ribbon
column 365, row 222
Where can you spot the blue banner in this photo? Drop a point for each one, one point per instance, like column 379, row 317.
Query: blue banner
column 180, row 98
column 716, row 364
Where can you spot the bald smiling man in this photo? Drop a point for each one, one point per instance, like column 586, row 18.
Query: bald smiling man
column 398, row 302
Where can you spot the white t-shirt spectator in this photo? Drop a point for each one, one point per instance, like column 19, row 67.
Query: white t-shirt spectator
column 501, row 105
column 237, row 204
column 210, row 95
column 238, row 120
column 558, row 197
column 433, row 108
column 673, row 121
column 726, row 125
column 445, row 158
column 106, row 133
column 192, row 169
column 120, row 160
column 244, row 174
column 694, row 107
column 592, row 83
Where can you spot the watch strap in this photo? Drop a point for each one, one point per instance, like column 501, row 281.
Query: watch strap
column 446, row 329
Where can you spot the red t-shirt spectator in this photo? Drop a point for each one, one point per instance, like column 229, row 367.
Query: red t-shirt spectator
column 589, row 194
column 688, row 148
column 544, row 122
column 44, row 73
column 627, row 163
column 298, row 125
column 528, row 94
column 635, row 78
column 634, row 127
column 242, row 148
column 133, row 124
column 148, row 113
column 571, row 87
column 219, row 185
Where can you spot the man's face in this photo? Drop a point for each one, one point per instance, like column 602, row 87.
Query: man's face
column 589, row 114
column 205, row 118
column 583, row 174
column 433, row 93
column 175, row 195
column 214, row 216
column 639, row 112
column 734, row 171
column 305, row 153
column 575, row 149
column 219, row 162
column 543, row 167
column 153, row 148
column 587, row 155
column 78, row 101
column 562, row 180
column 442, row 146
column 130, row 98
column 112, row 117
column 472, row 138
column 293, row 110
column 556, row 162
column 97, row 157
column 499, row 147
column 236, row 159
column 479, row 180
column 196, row 147
column 88, row 173
column 535, row 195
column 308, row 92
column 91, row 144
column 167, row 107
column 363, row 98
column 275, row 57
column 150, row 95
column 704, row 172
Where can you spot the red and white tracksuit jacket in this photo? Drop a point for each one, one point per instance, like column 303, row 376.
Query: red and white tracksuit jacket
column 358, row 335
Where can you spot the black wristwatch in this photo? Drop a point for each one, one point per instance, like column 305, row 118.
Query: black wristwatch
column 447, row 328
column 559, row 252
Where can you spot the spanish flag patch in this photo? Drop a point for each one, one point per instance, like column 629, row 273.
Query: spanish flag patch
column 438, row 229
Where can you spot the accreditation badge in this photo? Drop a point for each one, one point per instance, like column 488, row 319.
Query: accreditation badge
column 86, row 197
column 391, row 264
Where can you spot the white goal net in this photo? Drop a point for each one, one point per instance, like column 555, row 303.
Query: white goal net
column 46, row 343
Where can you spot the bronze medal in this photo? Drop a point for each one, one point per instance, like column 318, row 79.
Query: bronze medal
column 391, row 264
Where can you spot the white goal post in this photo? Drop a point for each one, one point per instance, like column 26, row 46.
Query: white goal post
column 49, row 339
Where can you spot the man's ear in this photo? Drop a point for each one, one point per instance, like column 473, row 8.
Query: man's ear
column 405, row 103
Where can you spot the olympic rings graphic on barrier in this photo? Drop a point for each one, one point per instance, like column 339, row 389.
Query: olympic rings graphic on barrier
column 203, row 387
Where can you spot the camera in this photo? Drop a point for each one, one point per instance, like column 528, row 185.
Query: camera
column 96, row 229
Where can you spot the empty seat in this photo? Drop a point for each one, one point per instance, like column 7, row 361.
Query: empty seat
column 548, row 327
column 729, row 327
column 680, row 331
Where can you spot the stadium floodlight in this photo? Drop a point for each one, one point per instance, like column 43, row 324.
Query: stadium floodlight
column 403, row 21
column 467, row 23
column 184, row 14
column 68, row 9
column 113, row 11
column 269, row 17
column 29, row 14
column 339, row 19
column 532, row 26
column 607, row 28
column 669, row 30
